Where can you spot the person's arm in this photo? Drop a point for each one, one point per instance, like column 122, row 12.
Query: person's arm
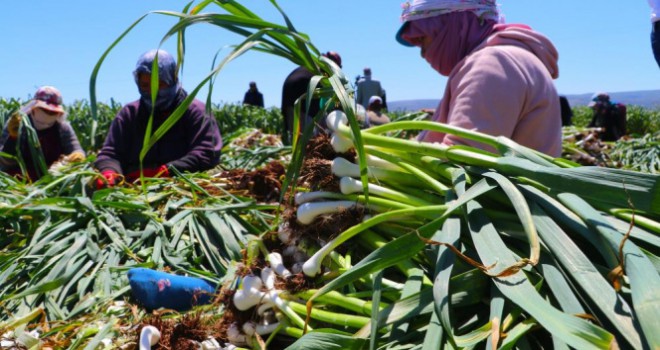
column 260, row 100
column 592, row 123
column 7, row 145
column 205, row 144
column 70, row 143
column 113, row 150
column 622, row 119
column 360, row 92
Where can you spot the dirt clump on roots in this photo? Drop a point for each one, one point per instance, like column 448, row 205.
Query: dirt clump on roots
column 264, row 184
column 321, row 148
column 296, row 283
column 317, row 175
column 182, row 334
column 231, row 315
column 325, row 227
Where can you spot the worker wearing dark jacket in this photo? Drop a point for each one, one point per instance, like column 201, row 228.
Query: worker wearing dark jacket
column 192, row 144
column 295, row 86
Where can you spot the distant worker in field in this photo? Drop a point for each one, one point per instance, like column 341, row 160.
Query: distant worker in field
column 192, row 144
column 367, row 87
column 500, row 77
column 374, row 115
column 655, row 29
column 57, row 140
column 295, row 85
column 253, row 97
column 609, row 116
column 566, row 111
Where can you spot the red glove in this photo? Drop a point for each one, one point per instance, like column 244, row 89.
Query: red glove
column 161, row 171
column 110, row 178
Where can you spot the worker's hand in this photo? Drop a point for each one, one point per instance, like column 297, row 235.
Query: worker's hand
column 74, row 157
column 160, row 171
column 13, row 124
column 110, row 179
column 64, row 161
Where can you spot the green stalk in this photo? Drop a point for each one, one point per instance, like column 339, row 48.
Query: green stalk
column 392, row 293
column 272, row 336
column 342, row 130
column 349, row 185
column 293, row 332
column 437, row 127
column 374, row 241
column 601, row 187
column 434, row 165
column 285, row 306
column 335, row 298
column 381, row 204
column 422, row 176
column 34, row 146
column 641, row 221
column 502, row 144
column 341, row 167
column 335, row 318
column 308, row 212
column 313, row 266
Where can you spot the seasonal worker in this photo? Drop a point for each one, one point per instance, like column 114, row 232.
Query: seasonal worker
column 500, row 76
column 192, row 144
column 57, row 140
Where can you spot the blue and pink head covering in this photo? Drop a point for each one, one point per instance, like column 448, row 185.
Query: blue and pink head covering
column 419, row 9
column 166, row 66
column 167, row 73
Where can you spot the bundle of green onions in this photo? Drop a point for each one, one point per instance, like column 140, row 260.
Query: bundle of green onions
column 451, row 246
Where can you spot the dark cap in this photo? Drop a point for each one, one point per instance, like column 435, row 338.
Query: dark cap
column 599, row 97
column 334, row 57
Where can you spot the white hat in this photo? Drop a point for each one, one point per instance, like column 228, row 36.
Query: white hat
column 375, row 98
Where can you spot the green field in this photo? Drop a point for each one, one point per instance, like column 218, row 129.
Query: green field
column 362, row 239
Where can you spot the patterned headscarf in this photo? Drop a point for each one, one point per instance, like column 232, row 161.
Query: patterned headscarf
column 484, row 9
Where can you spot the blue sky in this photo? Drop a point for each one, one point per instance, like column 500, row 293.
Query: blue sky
column 603, row 46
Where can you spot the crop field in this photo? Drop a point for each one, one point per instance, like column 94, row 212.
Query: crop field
column 356, row 239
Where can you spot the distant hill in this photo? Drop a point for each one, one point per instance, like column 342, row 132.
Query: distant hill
column 411, row 105
column 647, row 99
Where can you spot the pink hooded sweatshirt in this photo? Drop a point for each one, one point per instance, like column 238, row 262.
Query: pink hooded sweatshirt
column 504, row 87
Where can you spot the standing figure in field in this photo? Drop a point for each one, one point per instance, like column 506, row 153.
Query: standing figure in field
column 192, row 144
column 253, row 97
column 609, row 116
column 655, row 29
column 57, row 140
column 500, row 77
column 367, row 87
column 295, row 86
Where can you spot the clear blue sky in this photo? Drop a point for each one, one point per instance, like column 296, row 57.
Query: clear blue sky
column 603, row 46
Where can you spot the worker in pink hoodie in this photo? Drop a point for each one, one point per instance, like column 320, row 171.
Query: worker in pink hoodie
column 500, row 77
